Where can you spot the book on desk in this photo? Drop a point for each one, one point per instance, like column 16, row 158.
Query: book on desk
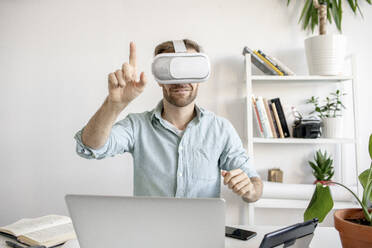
column 49, row 230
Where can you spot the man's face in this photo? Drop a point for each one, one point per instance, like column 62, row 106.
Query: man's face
column 180, row 95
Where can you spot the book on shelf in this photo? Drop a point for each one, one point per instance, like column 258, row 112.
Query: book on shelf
column 281, row 115
column 267, row 64
column 259, row 63
column 268, row 112
column 264, row 118
column 256, row 117
column 277, row 120
column 49, row 230
column 281, row 65
column 269, row 118
column 275, row 124
column 285, row 73
column 278, row 72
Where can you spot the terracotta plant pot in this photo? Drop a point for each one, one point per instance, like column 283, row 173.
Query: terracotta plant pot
column 352, row 235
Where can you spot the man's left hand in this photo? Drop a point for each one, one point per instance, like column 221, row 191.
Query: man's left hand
column 239, row 182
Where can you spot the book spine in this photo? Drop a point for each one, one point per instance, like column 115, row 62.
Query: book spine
column 274, row 120
column 283, row 66
column 263, row 117
column 281, row 115
column 269, row 64
column 273, row 62
column 269, row 118
column 257, row 118
column 281, row 134
column 259, row 63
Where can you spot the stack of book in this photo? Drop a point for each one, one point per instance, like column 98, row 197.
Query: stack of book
column 48, row 231
column 269, row 117
column 267, row 64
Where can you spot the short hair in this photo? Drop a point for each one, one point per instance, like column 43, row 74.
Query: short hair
column 167, row 47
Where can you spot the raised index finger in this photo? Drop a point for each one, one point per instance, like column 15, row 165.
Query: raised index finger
column 132, row 54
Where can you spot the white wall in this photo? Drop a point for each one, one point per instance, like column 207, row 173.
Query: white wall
column 54, row 61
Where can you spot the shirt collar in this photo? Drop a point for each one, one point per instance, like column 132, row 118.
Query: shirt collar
column 159, row 108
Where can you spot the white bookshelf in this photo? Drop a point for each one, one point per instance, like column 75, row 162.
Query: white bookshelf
column 284, row 143
column 301, row 79
column 302, row 141
column 298, row 204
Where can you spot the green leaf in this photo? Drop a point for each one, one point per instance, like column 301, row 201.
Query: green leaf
column 320, row 204
column 352, row 5
column 367, row 193
column 308, row 15
column 329, row 16
column 335, row 12
column 365, row 178
column 340, row 14
column 305, row 9
column 317, row 172
column 360, row 11
column 314, row 20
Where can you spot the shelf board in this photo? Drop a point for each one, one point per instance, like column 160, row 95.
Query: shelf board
column 288, row 195
column 302, row 141
column 301, row 78
column 299, row 204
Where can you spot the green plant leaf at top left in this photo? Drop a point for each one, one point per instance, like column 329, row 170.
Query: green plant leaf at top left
column 320, row 205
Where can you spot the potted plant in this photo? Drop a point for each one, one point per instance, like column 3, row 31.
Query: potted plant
column 322, row 167
column 330, row 113
column 325, row 53
column 354, row 224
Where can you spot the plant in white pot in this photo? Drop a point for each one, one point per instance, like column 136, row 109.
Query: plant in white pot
column 330, row 113
column 325, row 53
column 354, row 224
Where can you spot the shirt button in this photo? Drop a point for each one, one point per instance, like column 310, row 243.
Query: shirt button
column 180, row 174
column 181, row 148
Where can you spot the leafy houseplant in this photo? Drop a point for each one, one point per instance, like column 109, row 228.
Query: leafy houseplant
column 330, row 113
column 310, row 14
column 322, row 168
column 354, row 225
column 325, row 53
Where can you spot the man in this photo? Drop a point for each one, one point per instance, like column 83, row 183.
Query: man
column 178, row 149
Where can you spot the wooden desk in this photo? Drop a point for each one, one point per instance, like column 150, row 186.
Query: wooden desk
column 323, row 237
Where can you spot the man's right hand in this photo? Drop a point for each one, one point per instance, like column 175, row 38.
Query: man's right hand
column 123, row 85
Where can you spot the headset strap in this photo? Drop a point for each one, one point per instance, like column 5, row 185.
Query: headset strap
column 179, row 46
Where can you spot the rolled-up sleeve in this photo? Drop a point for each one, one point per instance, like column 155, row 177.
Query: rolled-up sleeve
column 234, row 155
column 120, row 140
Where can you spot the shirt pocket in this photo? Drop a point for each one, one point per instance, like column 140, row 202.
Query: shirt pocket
column 204, row 163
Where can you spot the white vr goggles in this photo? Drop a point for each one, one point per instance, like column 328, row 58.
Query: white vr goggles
column 180, row 67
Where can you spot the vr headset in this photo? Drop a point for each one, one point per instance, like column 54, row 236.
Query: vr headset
column 180, row 67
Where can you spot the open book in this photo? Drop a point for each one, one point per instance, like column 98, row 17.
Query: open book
column 50, row 230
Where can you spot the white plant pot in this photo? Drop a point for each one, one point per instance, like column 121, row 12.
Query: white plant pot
column 326, row 54
column 332, row 127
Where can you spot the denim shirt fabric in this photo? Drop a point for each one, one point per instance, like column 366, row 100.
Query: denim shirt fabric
column 172, row 165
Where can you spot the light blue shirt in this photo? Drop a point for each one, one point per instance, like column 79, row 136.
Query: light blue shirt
column 173, row 164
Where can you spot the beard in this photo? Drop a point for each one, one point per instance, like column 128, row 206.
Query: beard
column 180, row 95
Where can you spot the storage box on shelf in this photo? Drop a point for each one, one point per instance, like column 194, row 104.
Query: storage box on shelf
column 297, row 196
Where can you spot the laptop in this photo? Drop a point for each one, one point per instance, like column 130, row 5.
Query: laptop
column 143, row 222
